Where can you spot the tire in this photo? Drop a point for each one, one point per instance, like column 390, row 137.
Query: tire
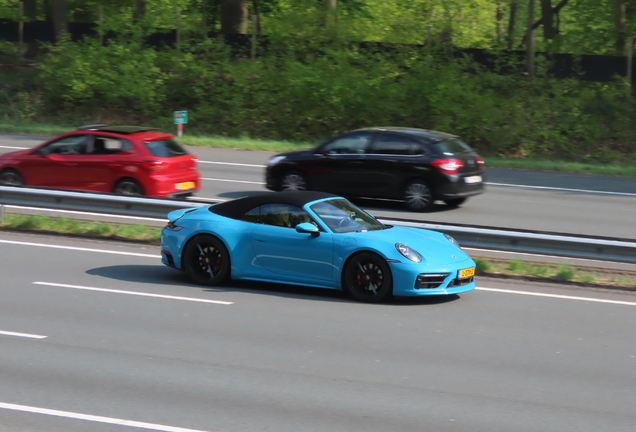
column 11, row 177
column 367, row 278
column 418, row 196
column 206, row 260
column 128, row 187
column 455, row 202
column 293, row 181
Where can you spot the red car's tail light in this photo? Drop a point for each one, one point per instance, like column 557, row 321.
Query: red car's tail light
column 449, row 166
column 153, row 165
column 481, row 162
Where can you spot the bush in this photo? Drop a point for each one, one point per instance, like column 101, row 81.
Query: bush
column 565, row 272
column 118, row 76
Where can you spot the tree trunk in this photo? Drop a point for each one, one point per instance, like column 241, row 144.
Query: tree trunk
column 501, row 9
column 621, row 6
column 331, row 13
column 511, row 24
column 234, row 16
column 140, row 10
column 530, row 41
column 549, row 29
column 555, row 11
column 59, row 15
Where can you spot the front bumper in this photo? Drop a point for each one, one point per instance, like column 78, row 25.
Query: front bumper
column 405, row 276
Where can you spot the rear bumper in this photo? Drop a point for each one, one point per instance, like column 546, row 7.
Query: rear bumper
column 166, row 186
column 457, row 188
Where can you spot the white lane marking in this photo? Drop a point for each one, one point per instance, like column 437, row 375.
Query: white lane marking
column 94, row 418
column 86, row 213
column 233, row 164
column 233, row 181
column 26, row 335
column 15, row 148
column 561, row 189
column 80, row 249
column 558, row 296
column 141, row 294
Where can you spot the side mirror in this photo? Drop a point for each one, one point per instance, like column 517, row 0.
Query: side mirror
column 308, row 228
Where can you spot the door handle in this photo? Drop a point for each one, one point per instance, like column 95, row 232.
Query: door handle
column 259, row 240
column 114, row 165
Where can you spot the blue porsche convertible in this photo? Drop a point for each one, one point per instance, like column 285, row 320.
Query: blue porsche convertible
column 314, row 239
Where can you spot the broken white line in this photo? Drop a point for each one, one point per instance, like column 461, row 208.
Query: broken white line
column 25, row 335
column 142, row 294
column 94, row 418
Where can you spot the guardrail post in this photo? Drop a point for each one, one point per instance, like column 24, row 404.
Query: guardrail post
column 2, row 213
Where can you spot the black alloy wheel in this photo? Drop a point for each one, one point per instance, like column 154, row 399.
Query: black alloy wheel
column 418, row 196
column 293, row 181
column 206, row 260
column 455, row 202
column 128, row 187
column 367, row 277
column 11, row 177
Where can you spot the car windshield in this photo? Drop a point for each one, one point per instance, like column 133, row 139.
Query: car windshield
column 341, row 216
column 165, row 148
column 452, row 147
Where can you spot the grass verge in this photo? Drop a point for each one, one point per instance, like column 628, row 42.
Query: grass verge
column 491, row 267
column 626, row 169
column 556, row 273
column 102, row 230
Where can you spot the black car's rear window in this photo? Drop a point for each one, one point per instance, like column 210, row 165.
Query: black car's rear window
column 451, row 147
column 165, row 148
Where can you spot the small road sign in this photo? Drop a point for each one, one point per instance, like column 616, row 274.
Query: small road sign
column 180, row 117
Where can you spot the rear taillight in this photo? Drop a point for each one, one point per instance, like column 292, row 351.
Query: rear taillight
column 173, row 227
column 481, row 162
column 449, row 166
column 153, row 165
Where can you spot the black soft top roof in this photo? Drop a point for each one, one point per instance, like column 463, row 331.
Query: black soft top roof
column 236, row 208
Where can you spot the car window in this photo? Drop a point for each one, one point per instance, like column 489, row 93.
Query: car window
column 74, row 144
column 451, row 147
column 350, row 144
column 282, row 215
column 342, row 216
column 387, row 144
column 165, row 148
column 104, row 145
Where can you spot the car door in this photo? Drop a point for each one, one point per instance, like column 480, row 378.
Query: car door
column 340, row 168
column 105, row 162
column 287, row 254
column 391, row 159
column 56, row 164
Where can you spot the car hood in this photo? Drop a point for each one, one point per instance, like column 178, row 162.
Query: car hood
column 12, row 155
column 433, row 246
column 297, row 153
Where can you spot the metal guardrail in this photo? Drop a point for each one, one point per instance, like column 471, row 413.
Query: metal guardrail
column 468, row 236
column 91, row 202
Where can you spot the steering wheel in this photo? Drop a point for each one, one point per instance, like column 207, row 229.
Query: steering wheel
column 347, row 220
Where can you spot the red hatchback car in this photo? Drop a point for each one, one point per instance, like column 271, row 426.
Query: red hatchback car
column 128, row 160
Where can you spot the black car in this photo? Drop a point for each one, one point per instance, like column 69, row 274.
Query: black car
column 415, row 165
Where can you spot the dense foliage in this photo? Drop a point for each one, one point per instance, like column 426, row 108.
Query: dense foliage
column 312, row 82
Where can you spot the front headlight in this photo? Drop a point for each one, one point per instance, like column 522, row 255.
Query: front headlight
column 408, row 252
column 452, row 240
column 274, row 160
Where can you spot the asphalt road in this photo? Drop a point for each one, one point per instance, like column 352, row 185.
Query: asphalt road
column 506, row 357
column 539, row 201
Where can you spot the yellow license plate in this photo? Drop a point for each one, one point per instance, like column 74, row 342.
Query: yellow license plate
column 185, row 185
column 465, row 273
